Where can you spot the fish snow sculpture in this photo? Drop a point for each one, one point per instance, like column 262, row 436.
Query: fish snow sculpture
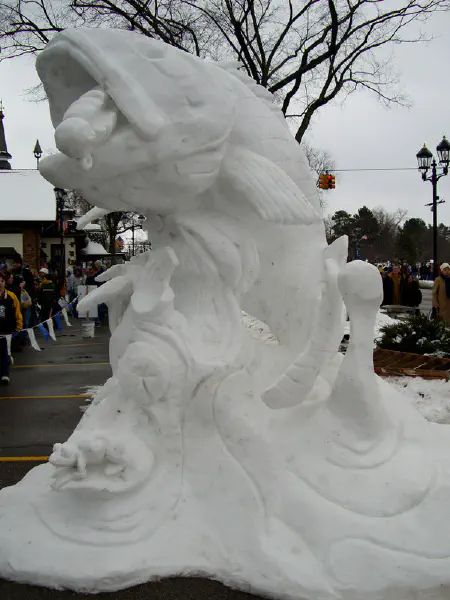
column 285, row 468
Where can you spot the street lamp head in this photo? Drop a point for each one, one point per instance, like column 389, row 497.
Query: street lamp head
column 37, row 151
column 424, row 158
column 443, row 151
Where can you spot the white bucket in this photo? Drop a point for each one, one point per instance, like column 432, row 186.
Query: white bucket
column 88, row 329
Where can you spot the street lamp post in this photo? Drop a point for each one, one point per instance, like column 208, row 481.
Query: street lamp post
column 37, row 151
column 426, row 161
column 60, row 197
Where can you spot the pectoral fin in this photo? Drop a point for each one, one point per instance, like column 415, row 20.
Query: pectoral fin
column 267, row 188
column 109, row 293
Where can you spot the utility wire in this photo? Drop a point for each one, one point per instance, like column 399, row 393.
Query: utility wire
column 390, row 169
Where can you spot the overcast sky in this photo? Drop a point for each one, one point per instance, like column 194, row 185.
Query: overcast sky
column 359, row 134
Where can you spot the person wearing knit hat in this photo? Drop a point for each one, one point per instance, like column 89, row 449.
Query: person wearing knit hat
column 441, row 293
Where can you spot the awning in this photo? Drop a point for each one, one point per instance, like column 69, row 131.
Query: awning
column 9, row 252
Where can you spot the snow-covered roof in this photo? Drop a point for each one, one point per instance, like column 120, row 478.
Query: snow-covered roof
column 26, row 196
column 92, row 227
column 94, row 248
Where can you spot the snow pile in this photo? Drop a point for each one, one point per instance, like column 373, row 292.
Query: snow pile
column 382, row 320
column 92, row 391
column 261, row 331
column 431, row 397
column 94, row 248
column 425, row 284
column 92, row 227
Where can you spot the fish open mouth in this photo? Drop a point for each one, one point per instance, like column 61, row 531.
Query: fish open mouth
column 82, row 112
column 67, row 74
column 89, row 93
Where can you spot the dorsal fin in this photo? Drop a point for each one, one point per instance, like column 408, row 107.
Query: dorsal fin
column 237, row 69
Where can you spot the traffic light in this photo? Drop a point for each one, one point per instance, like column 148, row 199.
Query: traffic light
column 323, row 181
column 327, row 181
column 331, row 182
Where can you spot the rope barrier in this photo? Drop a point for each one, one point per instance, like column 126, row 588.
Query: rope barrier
column 41, row 326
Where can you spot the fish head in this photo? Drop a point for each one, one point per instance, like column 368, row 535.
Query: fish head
column 139, row 125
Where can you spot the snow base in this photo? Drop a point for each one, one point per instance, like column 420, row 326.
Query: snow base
column 257, row 539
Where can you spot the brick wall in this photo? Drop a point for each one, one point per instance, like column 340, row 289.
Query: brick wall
column 32, row 248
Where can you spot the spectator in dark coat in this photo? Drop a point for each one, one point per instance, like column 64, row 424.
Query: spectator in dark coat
column 410, row 293
column 388, row 288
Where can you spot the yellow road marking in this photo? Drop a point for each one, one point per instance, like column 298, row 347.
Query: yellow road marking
column 37, row 397
column 80, row 345
column 59, row 365
column 22, row 458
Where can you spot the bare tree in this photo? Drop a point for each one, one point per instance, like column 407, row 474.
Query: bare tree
column 384, row 245
column 319, row 160
column 307, row 52
column 75, row 201
column 389, row 222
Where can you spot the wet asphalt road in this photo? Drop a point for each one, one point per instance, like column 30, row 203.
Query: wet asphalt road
column 178, row 588
column 41, row 407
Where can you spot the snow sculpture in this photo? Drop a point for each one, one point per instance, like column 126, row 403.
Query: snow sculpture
column 286, row 469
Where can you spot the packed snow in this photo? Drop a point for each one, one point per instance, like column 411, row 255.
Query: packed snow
column 94, row 249
column 382, row 320
column 431, row 397
column 258, row 329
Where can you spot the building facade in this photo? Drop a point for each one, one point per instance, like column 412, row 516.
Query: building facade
column 28, row 217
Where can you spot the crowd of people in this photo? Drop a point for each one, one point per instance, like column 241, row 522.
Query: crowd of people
column 401, row 285
column 28, row 298
column 441, row 294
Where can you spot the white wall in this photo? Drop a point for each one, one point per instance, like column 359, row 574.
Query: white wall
column 12, row 240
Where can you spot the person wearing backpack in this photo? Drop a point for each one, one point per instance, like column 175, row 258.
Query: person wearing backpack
column 10, row 322
column 47, row 296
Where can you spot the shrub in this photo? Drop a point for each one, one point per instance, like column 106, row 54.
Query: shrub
column 418, row 334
